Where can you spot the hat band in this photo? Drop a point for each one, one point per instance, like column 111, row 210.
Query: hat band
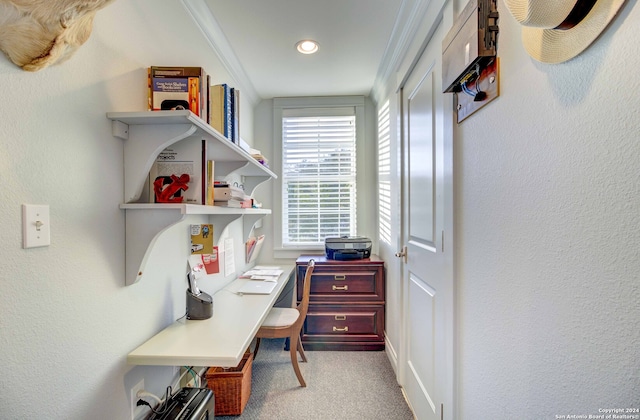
column 579, row 12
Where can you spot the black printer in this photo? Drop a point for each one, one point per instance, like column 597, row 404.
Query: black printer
column 347, row 247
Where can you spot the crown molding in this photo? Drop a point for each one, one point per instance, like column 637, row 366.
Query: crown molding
column 411, row 15
column 207, row 23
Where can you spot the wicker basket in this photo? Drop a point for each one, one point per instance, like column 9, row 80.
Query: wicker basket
column 231, row 387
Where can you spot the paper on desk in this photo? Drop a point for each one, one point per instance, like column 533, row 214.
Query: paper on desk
column 264, row 274
column 264, row 278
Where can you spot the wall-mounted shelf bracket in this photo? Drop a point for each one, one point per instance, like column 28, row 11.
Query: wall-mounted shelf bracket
column 145, row 224
column 248, row 222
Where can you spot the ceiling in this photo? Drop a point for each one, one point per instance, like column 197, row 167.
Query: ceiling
column 353, row 35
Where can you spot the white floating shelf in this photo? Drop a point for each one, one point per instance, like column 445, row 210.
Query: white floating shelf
column 148, row 133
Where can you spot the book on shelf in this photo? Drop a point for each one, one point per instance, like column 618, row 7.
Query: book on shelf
column 221, row 110
column 210, row 183
column 179, row 88
column 216, row 98
column 235, row 115
column 233, row 204
column 229, row 193
column 228, row 127
column 237, row 204
column 218, row 109
column 257, row 155
column 204, row 255
column 207, row 98
column 179, row 173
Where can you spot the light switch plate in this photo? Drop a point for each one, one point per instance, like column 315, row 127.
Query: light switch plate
column 36, row 229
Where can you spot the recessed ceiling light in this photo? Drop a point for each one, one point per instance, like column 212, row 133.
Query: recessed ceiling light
column 307, row 46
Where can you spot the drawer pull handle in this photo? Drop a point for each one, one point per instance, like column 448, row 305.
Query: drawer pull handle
column 338, row 278
column 334, row 287
column 336, row 329
column 340, row 317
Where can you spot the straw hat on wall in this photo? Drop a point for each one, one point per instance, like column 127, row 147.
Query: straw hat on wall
column 558, row 30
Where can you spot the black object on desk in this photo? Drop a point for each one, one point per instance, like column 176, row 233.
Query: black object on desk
column 199, row 304
column 347, row 247
column 187, row 404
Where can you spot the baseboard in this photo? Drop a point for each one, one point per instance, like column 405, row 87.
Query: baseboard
column 392, row 355
column 404, row 394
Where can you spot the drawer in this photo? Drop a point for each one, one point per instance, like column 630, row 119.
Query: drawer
column 344, row 284
column 341, row 323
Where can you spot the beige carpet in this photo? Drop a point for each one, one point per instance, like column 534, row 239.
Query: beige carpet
column 341, row 385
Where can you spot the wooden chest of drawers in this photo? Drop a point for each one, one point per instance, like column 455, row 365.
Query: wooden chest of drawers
column 346, row 306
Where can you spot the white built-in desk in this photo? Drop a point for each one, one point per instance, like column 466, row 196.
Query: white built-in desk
column 218, row 341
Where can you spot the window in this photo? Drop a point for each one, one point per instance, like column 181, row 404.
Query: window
column 318, row 174
column 384, row 174
column 306, row 216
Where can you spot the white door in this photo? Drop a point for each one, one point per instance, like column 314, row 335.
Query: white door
column 389, row 235
column 426, row 365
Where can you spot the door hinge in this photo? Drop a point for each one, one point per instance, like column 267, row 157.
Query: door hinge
column 442, row 242
column 441, row 411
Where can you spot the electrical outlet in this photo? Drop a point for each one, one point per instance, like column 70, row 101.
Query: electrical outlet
column 136, row 410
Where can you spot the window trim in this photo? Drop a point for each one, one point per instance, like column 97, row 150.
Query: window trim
column 279, row 107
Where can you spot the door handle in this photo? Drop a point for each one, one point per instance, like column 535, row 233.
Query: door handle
column 402, row 254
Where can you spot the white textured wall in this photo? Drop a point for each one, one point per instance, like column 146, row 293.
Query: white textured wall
column 547, row 228
column 67, row 321
column 547, row 200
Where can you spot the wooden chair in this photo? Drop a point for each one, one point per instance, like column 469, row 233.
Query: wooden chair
column 287, row 323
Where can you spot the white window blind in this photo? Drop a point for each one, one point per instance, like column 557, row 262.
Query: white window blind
column 318, row 176
column 384, row 173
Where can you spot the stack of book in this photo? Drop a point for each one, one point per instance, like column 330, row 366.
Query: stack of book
column 179, row 88
column 190, row 88
column 226, row 195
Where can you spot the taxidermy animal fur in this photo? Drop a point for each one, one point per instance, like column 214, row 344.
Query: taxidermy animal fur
column 37, row 33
